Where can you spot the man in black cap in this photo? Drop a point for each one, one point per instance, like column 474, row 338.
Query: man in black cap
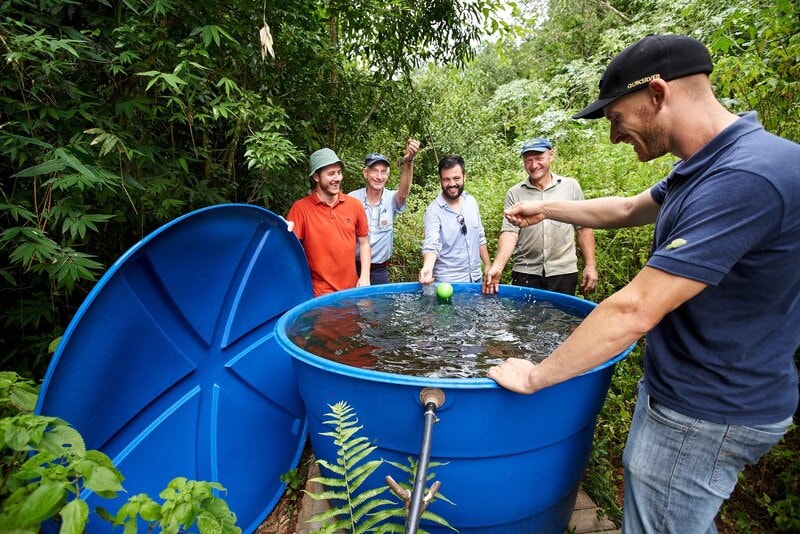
column 719, row 298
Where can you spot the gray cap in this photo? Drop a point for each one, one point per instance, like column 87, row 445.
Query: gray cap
column 322, row 158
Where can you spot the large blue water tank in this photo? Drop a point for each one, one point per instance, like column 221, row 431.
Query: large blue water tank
column 510, row 463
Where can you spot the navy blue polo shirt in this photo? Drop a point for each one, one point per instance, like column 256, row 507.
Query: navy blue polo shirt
column 730, row 217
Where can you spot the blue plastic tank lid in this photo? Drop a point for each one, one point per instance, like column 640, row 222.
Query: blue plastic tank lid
column 171, row 366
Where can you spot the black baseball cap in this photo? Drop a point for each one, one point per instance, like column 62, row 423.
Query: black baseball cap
column 656, row 56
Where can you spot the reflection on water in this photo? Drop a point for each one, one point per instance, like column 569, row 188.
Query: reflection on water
column 415, row 334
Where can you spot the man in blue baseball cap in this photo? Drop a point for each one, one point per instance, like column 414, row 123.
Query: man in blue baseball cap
column 544, row 254
column 719, row 297
column 382, row 206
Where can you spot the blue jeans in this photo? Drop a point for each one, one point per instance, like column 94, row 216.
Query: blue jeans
column 679, row 469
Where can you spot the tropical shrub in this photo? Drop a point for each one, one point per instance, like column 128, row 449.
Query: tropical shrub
column 46, row 469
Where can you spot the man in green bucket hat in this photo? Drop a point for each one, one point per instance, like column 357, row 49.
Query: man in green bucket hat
column 329, row 223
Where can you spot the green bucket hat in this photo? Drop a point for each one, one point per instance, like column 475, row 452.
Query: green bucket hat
column 321, row 158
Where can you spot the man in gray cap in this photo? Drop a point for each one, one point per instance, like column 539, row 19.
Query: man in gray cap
column 719, row 298
column 544, row 254
column 329, row 223
column 382, row 205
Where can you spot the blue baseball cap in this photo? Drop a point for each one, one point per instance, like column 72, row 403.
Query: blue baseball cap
column 539, row 144
column 374, row 158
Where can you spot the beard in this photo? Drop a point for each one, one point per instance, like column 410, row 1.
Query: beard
column 652, row 141
column 330, row 189
column 447, row 194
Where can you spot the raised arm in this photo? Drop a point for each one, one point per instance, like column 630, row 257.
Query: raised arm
column 406, row 173
column 606, row 212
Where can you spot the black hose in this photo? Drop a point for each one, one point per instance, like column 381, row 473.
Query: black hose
column 418, row 494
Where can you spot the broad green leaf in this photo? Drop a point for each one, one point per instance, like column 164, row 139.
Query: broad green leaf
column 103, row 481
column 17, row 438
column 74, row 516
column 53, row 346
column 63, row 438
column 42, row 503
column 73, row 162
column 29, row 140
column 150, row 511
column 173, row 80
column 23, row 397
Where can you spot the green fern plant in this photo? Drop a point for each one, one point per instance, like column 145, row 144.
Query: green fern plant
column 411, row 471
column 359, row 511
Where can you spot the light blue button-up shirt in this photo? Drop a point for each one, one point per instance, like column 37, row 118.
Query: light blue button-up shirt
column 458, row 257
column 381, row 223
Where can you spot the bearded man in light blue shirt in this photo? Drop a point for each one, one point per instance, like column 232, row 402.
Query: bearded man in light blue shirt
column 455, row 242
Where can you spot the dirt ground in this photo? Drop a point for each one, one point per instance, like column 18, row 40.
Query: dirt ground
column 283, row 519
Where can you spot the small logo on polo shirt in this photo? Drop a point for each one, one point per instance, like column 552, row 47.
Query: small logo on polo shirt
column 676, row 243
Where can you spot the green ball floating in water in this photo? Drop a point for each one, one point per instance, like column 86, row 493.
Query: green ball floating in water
column 444, row 291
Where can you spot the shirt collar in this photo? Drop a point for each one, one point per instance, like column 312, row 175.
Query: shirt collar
column 443, row 203
column 316, row 197
column 554, row 181
column 747, row 123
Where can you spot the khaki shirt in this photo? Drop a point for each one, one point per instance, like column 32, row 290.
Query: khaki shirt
column 547, row 248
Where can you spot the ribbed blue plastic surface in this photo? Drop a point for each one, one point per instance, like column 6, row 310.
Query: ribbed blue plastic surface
column 171, row 365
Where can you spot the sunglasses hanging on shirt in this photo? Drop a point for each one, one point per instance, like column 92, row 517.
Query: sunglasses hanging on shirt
column 460, row 219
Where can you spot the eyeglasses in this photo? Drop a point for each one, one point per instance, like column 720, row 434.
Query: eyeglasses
column 460, row 219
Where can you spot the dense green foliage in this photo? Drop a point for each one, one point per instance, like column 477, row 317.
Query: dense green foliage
column 45, row 468
column 116, row 117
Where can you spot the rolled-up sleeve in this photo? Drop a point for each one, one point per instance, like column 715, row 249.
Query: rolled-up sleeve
column 433, row 225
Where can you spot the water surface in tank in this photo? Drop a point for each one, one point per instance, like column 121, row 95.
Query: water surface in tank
column 417, row 334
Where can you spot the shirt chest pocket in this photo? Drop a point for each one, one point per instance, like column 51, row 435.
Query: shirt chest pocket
column 382, row 224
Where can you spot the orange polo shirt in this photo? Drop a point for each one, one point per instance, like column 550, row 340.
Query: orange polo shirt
column 329, row 236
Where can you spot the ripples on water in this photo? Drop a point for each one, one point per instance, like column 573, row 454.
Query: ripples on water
column 414, row 334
